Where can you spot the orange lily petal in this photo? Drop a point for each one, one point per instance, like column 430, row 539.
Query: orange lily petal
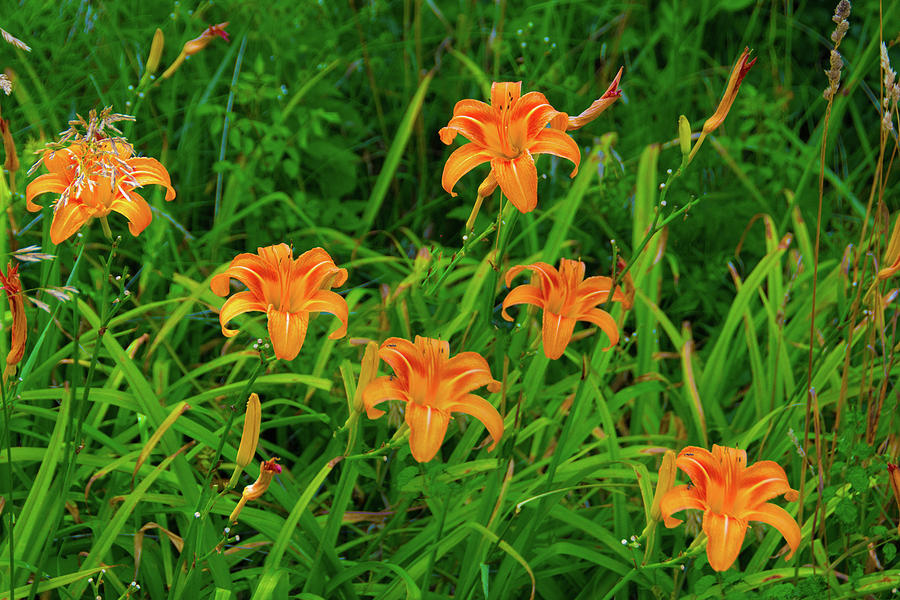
column 605, row 322
column 781, row 520
column 482, row 410
column 556, row 331
column 557, row 143
column 382, row 389
column 464, row 159
column 518, row 180
column 679, row 498
column 595, row 290
column 549, row 275
column 726, row 534
column 523, row 294
column 68, row 219
column 329, row 302
column 503, row 94
column 148, row 171
column 238, row 304
column 427, row 428
column 765, row 480
column 699, row 465
column 475, row 120
column 468, row 371
column 249, row 269
column 50, row 183
column 531, row 114
column 287, row 330
column 402, row 356
column 319, row 269
column 136, row 210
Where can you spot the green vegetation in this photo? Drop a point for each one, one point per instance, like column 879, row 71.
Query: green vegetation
column 316, row 125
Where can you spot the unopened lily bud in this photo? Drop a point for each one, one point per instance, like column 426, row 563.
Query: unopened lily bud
column 627, row 284
column 741, row 67
column 564, row 122
column 892, row 254
column 202, row 41
column 663, row 484
column 12, row 285
column 894, row 479
column 254, row 491
column 196, row 45
column 367, row 371
column 156, row 48
column 249, row 437
column 684, row 136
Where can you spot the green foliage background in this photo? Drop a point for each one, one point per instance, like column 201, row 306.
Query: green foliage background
column 316, row 125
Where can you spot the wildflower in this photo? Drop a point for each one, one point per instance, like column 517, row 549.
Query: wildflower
column 894, row 478
column 565, row 297
column 508, row 133
column 254, row 491
column 95, row 175
column 730, row 494
column 287, row 290
column 740, row 69
column 249, row 437
column 433, row 385
column 197, row 44
column 12, row 285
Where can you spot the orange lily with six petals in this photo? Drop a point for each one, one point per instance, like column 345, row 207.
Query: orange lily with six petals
column 508, row 133
column 433, row 385
column 287, row 290
column 565, row 297
column 93, row 179
column 731, row 494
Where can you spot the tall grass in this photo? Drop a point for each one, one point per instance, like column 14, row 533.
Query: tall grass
column 316, row 125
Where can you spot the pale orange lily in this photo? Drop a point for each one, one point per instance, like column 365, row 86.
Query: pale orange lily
column 508, row 133
column 565, row 297
column 731, row 494
column 94, row 178
column 433, row 385
column 287, row 290
column 12, row 285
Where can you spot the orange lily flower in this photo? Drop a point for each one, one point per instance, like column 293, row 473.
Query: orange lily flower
column 96, row 177
column 730, row 494
column 508, row 133
column 433, row 385
column 287, row 290
column 565, row 297
column 12, row 285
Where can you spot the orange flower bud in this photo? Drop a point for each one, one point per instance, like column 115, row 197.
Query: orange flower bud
column 12, row 285
column 892, row 254
column 249, row 437
column 195, row 45
column 209, row 34
column 254, row 491
column 894, row 479
column 663, row 484
column 734, row 83
column 156, row 48
column 612, row 93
